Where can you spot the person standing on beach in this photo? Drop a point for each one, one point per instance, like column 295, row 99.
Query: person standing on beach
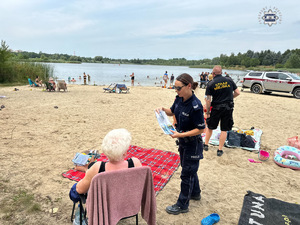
column 188, row 112
column 205, row 76
column 210, row 77
column 219, row 94
column 132, row 79
column 84, row 78
column 171, row 80
column 166, row 78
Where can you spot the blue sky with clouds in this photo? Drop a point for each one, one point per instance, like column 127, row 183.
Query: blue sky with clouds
column 191, row 29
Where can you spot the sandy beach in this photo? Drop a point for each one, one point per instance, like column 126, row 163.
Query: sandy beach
column 38, row 142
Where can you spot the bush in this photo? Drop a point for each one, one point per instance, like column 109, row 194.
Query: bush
column 278, row 65
column 19, row 72
column 293, row 61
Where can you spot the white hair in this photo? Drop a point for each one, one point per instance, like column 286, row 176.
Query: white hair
column 115, row 144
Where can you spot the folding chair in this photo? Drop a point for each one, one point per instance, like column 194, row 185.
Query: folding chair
column 121, row 88
column 120, row 194
column 111, row 88
column 82, row 201
column 61, row 84
column 32, row 84
column 49, row 87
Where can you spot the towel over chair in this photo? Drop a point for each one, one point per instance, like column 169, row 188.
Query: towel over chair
column 114, row 195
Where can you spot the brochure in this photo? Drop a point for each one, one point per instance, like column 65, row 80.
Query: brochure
column 164, row 122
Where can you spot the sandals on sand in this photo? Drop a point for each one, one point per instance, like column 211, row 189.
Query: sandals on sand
column 211, row 219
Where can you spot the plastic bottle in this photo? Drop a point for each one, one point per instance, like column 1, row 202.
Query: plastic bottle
column 76, row 220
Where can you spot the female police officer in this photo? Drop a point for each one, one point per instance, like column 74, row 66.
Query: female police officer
column 188, row 112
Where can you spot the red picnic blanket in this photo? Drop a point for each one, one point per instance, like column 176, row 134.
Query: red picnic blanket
column 162, row 163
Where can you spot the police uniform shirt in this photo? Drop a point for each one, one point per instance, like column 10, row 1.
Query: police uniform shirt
column 221, row 88
column 188, row 114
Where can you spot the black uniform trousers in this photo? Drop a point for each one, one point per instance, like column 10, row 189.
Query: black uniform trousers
column 189, row 160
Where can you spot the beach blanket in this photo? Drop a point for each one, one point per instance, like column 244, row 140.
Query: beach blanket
column 162, row 163
column 214, row 140
column 257, row 209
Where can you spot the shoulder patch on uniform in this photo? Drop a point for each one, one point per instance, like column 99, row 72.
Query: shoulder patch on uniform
column 196, row 105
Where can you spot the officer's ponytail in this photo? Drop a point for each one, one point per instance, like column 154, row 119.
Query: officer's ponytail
column 187, row 79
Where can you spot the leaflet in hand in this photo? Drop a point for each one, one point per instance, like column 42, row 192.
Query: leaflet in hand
column 164, row 122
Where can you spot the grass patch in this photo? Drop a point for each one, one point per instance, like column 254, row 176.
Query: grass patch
column 13, row 84
column 17, row 205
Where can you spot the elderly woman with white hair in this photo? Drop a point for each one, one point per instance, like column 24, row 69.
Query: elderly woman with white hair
column 115, row 145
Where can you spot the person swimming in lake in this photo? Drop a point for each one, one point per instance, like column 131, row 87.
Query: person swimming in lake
column 132, row 79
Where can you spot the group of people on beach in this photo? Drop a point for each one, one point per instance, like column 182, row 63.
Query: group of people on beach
column 166, row 78
column 85, row 77
column 50, row 85
column 189, row 121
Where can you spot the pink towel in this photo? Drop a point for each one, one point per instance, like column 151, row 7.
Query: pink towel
column 117, row 194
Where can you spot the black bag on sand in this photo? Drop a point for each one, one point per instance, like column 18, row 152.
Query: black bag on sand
column 247, row 141
column 234, row 138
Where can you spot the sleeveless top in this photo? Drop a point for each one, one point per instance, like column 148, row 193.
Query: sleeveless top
column 102, row 166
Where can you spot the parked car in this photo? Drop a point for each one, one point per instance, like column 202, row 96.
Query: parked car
column 267, row 82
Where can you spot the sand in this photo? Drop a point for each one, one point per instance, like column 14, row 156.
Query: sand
column 38, row 142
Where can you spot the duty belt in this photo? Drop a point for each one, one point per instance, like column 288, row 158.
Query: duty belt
column 189, row 139
column 228, row 105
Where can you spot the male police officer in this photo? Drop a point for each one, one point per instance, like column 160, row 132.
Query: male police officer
column 219, row 94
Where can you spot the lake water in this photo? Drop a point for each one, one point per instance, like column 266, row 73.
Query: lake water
column 105, row 74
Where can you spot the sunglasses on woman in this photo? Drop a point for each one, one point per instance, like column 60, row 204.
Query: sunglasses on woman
column 178, row 88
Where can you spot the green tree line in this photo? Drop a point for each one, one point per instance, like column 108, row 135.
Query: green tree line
column 288, row 59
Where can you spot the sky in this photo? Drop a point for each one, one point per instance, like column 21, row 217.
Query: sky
column 148, row 29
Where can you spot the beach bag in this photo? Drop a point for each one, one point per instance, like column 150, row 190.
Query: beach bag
column 247, row 141
column 234, row 138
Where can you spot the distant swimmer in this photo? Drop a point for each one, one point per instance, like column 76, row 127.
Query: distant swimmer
column 84, row 78
column 73, row 80
column 132, row 79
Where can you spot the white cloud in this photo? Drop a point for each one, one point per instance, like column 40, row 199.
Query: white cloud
column 146, row 29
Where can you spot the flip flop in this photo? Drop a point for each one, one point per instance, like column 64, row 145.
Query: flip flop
column 211, row 219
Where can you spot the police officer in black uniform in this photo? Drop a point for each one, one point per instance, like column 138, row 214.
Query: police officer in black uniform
column 219, row 94
column 188, row 112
